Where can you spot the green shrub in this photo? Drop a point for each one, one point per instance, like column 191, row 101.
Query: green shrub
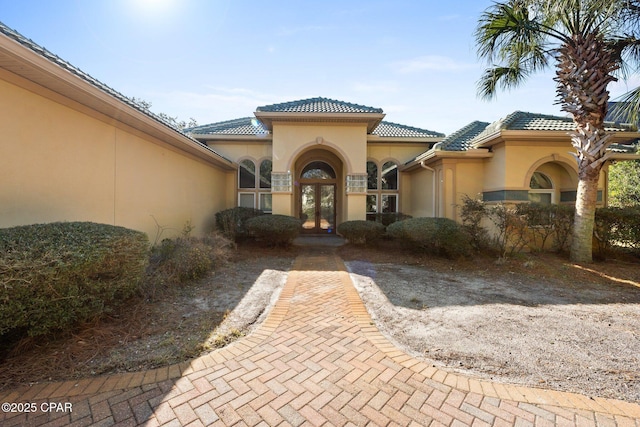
column 387, row 218
column 439, row 236
column 275, row 230
column 189, row 258
column 232, row 222
column 361, row 232
column 53, row 276
column 616, row 227
column 472, row 213
column 512, row 231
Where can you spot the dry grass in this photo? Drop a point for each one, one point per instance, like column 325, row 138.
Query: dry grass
column 180, row 321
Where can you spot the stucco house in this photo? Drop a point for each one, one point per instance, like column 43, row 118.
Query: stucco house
column 72, row 148
column 329, row 161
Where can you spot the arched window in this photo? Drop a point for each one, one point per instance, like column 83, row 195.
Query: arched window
column 389, row 176
column 372, row 175
column 382, row 190
column 318, row 170
column 265, row 173
column 541, row 189
column 255, row 185
column 247, row 175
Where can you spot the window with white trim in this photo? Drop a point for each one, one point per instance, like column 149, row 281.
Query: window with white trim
column 541, row 189
column 254, row 184
column 382, row 189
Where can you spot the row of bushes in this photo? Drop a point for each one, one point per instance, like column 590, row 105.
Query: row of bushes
column 438, row 236
column 531, row 226
column 240, row 223
column 542, row 227
column 55, row 276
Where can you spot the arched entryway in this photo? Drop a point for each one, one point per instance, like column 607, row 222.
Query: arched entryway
column 318, row 193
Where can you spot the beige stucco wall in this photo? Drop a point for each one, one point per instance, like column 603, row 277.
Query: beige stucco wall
column 60, row 164
column 421, row 194
column 347, row 141
column 240, row 150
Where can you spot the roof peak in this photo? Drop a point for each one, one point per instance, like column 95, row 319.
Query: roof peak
column 318, row 105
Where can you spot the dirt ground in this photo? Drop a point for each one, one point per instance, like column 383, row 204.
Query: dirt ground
column 179, row 323
column 538, row 320
column 535, row 320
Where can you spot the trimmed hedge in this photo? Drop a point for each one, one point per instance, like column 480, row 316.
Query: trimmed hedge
column 232, row 222
column 53, row 276
column 438, row 236
column 388, row 218
column 616, row 227
column 361, row 232
column 275, row 230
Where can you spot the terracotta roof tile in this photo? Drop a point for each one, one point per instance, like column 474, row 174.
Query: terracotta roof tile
column 395, row 130
column 461, row 139
column 318, row 105
column 247, row 126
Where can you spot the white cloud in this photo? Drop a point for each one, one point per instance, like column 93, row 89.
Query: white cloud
column 431, row 63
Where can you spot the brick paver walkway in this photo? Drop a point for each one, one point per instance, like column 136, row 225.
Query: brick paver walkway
column 316, row 360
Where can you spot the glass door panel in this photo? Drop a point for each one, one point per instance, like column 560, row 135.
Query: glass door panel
column 327, row 208
column 318, row 208
column 308, row 204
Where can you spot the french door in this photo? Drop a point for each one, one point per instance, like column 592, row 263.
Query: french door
column 318, row 208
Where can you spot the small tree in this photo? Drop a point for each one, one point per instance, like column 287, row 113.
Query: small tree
column 624, row 184
column 472, row 212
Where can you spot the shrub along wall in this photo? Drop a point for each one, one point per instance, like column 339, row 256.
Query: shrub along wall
column 274, row 230
column 232, row 222
column 617, row 227
column 53, row 276
column 439, row 236
column 547, row 227
column 361, row 232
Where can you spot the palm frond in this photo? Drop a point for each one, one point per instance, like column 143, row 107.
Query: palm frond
column 627, row 109
column 500, row 77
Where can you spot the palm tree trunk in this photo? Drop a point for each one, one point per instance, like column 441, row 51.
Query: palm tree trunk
column 584, row 70
column 582, row 239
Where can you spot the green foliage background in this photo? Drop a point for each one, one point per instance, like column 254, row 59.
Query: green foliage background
column 624, row 184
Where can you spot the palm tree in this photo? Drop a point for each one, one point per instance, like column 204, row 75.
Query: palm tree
column 591, row 43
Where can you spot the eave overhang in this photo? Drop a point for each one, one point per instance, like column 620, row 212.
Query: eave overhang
column 372, row 120
column 435, row 155
column 72, row 90
column 267, row 138
column 376, row 139
column 619, row 137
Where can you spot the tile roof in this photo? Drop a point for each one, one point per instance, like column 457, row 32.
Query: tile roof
column 530, row 121
column 520, row 120
column 250, row 126
column 245, row 126
column 625, row 148
column 318, row 105
column 395, row 130
column 461, row 140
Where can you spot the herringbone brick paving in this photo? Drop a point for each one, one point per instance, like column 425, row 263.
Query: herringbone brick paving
column 317, row 360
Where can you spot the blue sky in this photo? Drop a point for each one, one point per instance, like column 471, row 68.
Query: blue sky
column 215, row 60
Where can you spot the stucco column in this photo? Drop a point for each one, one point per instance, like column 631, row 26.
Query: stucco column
column 281, row 193
column 356, row 191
